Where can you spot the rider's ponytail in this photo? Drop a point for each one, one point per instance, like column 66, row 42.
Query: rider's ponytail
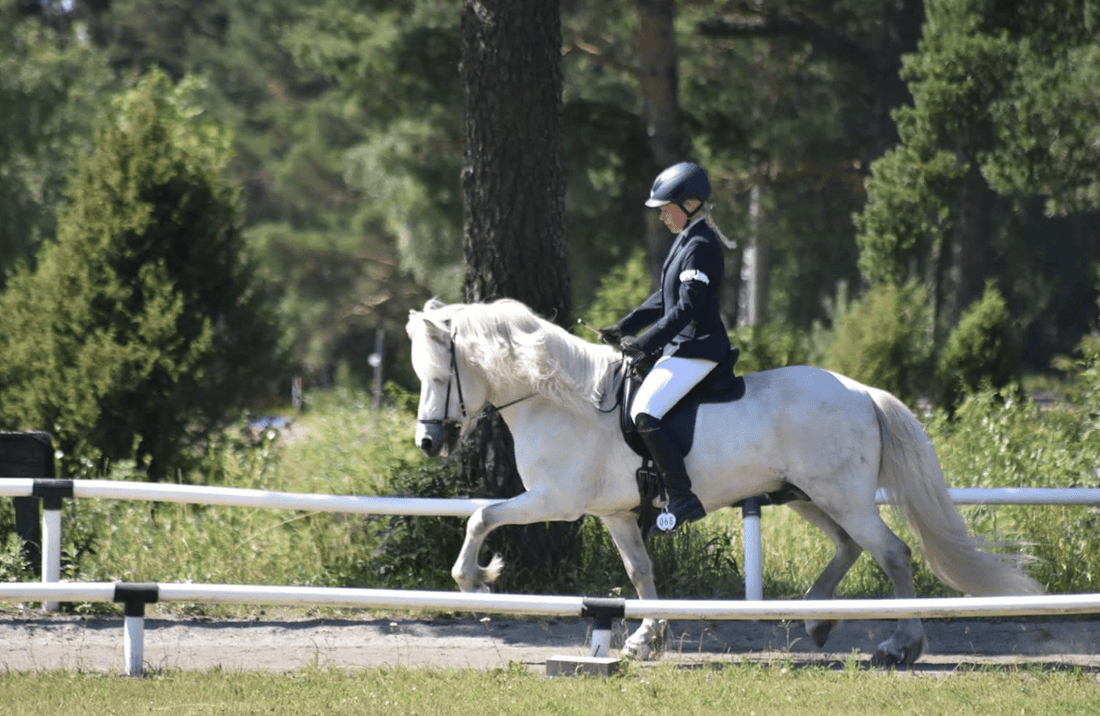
column 730, row 243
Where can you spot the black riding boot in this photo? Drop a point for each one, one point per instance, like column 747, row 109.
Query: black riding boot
column 682, row 503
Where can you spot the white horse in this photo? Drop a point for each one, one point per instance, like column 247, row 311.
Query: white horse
column 836, row 440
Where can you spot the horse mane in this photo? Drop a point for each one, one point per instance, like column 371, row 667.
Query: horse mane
column 512, row 345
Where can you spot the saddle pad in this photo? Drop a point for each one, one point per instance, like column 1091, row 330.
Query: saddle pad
column 681, row 419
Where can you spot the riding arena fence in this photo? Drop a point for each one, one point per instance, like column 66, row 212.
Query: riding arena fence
column 603, row 611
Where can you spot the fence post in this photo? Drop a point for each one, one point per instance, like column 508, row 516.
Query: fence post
column 27, row 454
column 135, row 596
column 602, row 611
column 754, row 561
column 51, row 492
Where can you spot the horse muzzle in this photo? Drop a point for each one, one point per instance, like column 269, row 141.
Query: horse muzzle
column 435, row 437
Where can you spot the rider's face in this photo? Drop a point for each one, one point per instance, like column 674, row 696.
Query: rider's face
column 673, row 217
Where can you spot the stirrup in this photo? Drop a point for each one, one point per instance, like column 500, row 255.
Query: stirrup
column 690, row 510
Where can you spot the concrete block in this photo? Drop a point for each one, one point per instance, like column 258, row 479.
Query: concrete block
column 582, row 666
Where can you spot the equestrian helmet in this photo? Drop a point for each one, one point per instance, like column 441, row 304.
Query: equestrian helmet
column 678, row 184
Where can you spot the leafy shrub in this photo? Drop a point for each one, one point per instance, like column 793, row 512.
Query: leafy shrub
column 1003, row 440
column 145, row 328
column 768, row 345
column 623, row 288
column 884, row 340
column 982, row 349
column 414, row 552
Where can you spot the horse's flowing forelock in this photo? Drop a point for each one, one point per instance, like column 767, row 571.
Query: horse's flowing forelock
column 513, row 346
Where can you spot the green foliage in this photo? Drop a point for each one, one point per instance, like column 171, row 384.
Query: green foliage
column 982, row 350
column 49, row 88
column 13, row 566
column 1001, row 131
column 998, row 440
column 144, row 328
column 407, row 158
column 415, row 552
column 624, row 288
column 770, row 345
column 907, row 215
column 884, row 340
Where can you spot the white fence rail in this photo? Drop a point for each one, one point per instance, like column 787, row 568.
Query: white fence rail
column 602, row 611
column 52, row 491
column 52, row 591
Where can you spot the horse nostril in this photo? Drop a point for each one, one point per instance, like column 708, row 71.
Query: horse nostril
column 426, row 444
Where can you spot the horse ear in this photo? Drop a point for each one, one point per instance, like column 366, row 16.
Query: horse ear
column 434, row 304
column 438, row 330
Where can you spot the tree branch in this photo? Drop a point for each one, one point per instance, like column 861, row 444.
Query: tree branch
column 771, row 24
column 600, row 56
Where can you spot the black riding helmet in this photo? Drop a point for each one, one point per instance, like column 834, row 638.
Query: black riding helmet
column 678, row 184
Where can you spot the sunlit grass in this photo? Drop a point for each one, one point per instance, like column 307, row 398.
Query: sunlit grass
column 776, row 689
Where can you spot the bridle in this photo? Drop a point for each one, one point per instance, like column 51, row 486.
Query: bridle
column 454, row 379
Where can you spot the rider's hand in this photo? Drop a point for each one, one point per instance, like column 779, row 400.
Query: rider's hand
column 611, row 335
column 630, row 348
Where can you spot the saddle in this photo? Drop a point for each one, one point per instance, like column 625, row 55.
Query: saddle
column 719, row 386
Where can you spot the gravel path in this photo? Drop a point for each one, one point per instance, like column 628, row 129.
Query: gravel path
column 34, row 642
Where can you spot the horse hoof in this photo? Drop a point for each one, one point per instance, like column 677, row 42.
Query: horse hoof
column 636, row 652
column 819, row 631
column 892, row 654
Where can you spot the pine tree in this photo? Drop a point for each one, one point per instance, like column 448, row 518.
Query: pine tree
column 144, row 327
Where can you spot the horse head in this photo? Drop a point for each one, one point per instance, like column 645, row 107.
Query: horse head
column 450, row 392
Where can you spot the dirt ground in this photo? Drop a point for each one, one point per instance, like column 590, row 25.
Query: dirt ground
column 32, row 641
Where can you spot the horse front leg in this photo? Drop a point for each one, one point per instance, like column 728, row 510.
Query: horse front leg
column 639, row 568
column 525, row 508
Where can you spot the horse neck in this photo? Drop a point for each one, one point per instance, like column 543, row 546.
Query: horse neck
column 559, row 378
column 531, row 420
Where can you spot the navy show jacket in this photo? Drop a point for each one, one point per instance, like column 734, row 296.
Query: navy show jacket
column 684, row 312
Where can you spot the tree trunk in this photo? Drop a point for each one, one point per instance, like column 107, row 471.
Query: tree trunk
column 754, row 268
column 658, row 75
column 901, row 22
column 972, row 248
column 513, row 181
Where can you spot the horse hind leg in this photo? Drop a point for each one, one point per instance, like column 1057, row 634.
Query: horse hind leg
column 847, row 552
column 908, row 641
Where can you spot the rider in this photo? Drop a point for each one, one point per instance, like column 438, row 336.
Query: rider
column 685, row 326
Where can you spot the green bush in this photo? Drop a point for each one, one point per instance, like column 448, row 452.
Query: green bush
column 982, row 349
column 1003, row 440
column 885, row 340
column 623, row 289
column 767, row 345
column 145, row 328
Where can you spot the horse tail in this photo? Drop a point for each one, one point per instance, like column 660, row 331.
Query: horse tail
column 910, row 474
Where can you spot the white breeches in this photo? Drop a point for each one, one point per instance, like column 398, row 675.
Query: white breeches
column 670, row 380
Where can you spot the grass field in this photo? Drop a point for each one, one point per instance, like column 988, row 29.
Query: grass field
column 776, row 689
